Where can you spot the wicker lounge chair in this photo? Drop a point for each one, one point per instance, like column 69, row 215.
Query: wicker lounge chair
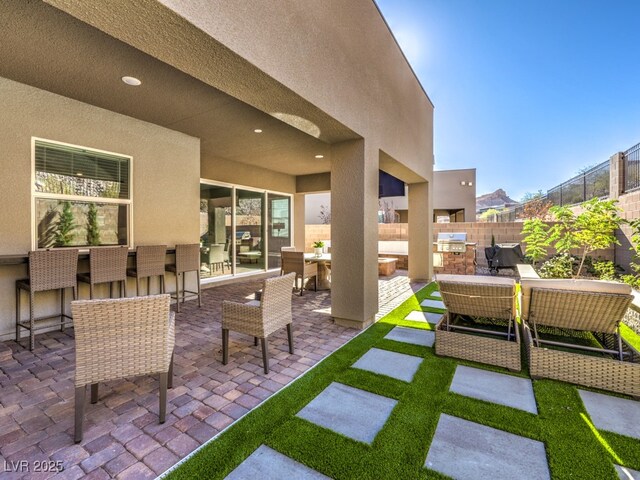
column 589, row 309
column 123, row 337
column 479, row 300
column 107, row 265
column 260, row 319
column 294, row 262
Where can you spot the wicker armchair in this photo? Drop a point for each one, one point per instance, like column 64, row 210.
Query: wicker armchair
column 582, row 311
column 48, row 270
column 107, row 265
column 187, row 260
column 124, row 337
column 285, row 249
column 215, row 255
column 294, row 262
column 486, row 332
column 150, row 262
column 260, row 319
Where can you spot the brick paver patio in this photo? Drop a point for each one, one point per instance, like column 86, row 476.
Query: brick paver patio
column 122, row 436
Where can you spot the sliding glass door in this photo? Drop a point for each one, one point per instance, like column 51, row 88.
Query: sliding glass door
column 216, row 252
column 250, row 241
column 279, row 226
column 241, row 230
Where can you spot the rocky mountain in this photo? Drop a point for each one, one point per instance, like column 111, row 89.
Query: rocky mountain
column 494, row 199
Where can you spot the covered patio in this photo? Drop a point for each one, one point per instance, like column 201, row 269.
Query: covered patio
column 122, row 437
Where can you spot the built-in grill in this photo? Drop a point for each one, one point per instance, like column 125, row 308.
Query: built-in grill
column 452, row 242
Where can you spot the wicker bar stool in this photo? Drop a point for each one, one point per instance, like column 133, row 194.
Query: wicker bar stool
column 48, row 270
column 187, row 260
column 150, row 261
column 107, row 265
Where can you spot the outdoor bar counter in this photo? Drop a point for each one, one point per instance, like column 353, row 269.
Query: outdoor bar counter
column 18, row 259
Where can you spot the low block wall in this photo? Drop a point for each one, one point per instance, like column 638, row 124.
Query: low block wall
column 477, row 232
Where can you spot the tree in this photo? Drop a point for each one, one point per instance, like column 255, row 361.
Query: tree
column 325, row 214
column 536, row 238
column 93, row 229
column 591, row 230
column 65, row 226
column 634, row 279
column 489, row 215
column 388, row 210
column 535, row 205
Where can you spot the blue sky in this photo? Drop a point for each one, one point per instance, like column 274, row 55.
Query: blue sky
column 528, row 92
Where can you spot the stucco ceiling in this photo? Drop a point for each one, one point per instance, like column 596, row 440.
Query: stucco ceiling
column 46, row 48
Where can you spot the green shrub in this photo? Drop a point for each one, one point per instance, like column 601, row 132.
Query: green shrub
column 605, row 270
column 93, row 229
column 558, row 266
column 65, row 226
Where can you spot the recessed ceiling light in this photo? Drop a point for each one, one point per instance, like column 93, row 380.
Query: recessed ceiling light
column 319, row 156
column 258, row 130
column 79, row 174
column 471, row 184
column 463, row 183
column 133, row 81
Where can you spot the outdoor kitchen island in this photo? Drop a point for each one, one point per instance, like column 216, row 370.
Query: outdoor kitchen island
column 452, row 254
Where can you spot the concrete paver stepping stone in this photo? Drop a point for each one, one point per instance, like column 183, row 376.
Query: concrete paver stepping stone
column 625, row 473
column 266, row 463
column 433, row 304
column 613, row 414
column 413, row 336
column 515, row 392
column 419, row 316
column 392, row 364
column 350, row 411
column 466, row 450
column 435, row 294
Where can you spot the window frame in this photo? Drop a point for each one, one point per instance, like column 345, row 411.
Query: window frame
column 35, row 195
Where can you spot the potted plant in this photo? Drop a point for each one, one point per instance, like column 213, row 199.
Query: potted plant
column 317, row 248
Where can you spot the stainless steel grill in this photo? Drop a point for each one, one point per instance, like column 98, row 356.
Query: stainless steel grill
column 452, row 242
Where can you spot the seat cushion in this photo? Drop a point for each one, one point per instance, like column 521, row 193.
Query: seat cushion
column 590, row 286
column 476, row 279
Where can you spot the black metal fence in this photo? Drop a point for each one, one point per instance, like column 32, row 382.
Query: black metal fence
column 585, row 186
column 632, row 168
column 590, row 184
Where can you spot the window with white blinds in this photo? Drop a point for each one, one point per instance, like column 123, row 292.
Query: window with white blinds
column 82, row 196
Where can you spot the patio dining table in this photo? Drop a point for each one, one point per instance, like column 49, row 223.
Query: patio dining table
column 324, row 271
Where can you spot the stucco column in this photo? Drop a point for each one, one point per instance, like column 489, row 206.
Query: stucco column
column 354, row 233
column 616, row 175
column 420, row 232
column 298, row 221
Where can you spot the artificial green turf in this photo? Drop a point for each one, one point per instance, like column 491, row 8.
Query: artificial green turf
column 399, row 451
column 631, row 337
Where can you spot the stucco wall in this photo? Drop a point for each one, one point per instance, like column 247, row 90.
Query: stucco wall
column 228, row 171
column 359, row 75
column 166, row 172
